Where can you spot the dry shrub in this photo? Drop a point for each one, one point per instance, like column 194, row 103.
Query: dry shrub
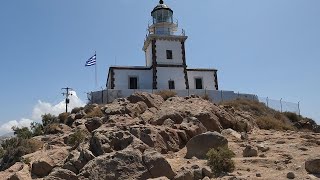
column 96, row 112
column 76, row 110
column 166, row 94
column 292, row 116
column 254, row 107
column 220, row 160
column 51, row 128
column 76, row 138
column 63, row 117
column 15, row 148
column 205, row 97
column 269, row 122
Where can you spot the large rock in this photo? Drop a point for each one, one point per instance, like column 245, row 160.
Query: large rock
column 313, row 166
column 157, row 165
column 61, row 174
column 192, row 126
column 93, row 124
column 151, row 100
column 44, row 161
column 250, row 151
column 199, row 145
column 126, row 164
column 163, row 139
column 18, row 171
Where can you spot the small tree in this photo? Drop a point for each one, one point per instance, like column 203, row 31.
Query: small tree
column 23, row 133
column 37, row 129
column 220, row 160
column 48, row 119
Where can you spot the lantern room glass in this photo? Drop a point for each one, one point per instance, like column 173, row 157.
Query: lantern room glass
column 162, row 15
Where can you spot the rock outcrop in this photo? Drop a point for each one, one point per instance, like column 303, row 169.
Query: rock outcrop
column 199, row 145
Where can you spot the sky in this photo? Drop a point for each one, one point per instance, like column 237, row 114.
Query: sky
column 268, row 47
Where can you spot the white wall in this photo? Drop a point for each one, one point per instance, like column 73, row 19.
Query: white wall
column 207, row 79
column 149, row 55
column 162, row 46
column 122, row 78
column 164, row 74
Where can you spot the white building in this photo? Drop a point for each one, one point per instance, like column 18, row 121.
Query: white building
column 166, row 66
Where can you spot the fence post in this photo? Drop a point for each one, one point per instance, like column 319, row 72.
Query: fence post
column 221, row 96
column 267, row 101
column 281, row 104
column 102, row 95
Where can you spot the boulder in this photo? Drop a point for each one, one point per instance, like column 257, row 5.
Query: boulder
column 192, row 126
column 151, row 100
column 231, row 134
column 126, row 164
column 42, row 168
column 18, row 171
column 61, row 174
column 184, row 174
column 157, row 165
column 291, row 175
column 44, row 161
column 313, row 166
column 93, row 124
column 109, row 139
column 199, row 145
column 249, row 151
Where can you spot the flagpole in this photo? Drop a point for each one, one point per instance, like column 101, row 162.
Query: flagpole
column 96, row 77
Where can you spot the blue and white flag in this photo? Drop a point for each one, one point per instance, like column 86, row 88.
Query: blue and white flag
column 92, row 61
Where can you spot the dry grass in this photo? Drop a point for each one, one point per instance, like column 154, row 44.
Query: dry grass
column 254, row 107
column 96, row 112
column 269, row 122
column 166, row 94
column 63, row 117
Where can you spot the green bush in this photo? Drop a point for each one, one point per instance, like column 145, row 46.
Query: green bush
column 37, row 129
column 166, row 94
column 269, row 122
column 292, row 116
column 23, row 132
column 220, row 160
column 48, row 119
column 1, row 152
column 15, row 148
column 76, row 138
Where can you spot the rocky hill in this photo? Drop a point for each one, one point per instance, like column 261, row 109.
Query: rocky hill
column 147, row 137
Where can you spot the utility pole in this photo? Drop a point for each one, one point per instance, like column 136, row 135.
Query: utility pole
column 67, row 94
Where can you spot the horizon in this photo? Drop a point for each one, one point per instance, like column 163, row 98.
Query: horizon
column 268, row 48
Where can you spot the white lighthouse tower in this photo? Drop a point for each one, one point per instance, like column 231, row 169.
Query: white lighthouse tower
column 166, row 66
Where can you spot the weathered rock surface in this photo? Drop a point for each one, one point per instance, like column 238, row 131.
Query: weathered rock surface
column 61, row 174
column 126, row 164
column 157, row 165
column 313, row 166
column 199, row 145
column 250, row 151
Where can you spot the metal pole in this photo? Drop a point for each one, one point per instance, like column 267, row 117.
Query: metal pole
column 281, row 104
column 267, row 101
column 221, row 96
column 102, row 95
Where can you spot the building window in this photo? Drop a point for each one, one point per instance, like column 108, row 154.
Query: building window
column 133, row 83
column 171, row 84
column 198, row 82
column 169, row 54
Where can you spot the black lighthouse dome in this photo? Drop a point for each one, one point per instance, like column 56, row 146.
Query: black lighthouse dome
column 162, row 13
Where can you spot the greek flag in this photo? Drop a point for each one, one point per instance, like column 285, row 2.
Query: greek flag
column 92, row 61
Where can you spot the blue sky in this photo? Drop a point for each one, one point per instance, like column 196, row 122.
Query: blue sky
column 267, row 47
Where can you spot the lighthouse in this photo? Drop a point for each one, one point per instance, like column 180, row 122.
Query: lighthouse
column 165, row 60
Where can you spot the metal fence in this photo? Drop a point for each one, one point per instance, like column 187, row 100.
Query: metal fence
column 281, row 105
column 216, row 96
